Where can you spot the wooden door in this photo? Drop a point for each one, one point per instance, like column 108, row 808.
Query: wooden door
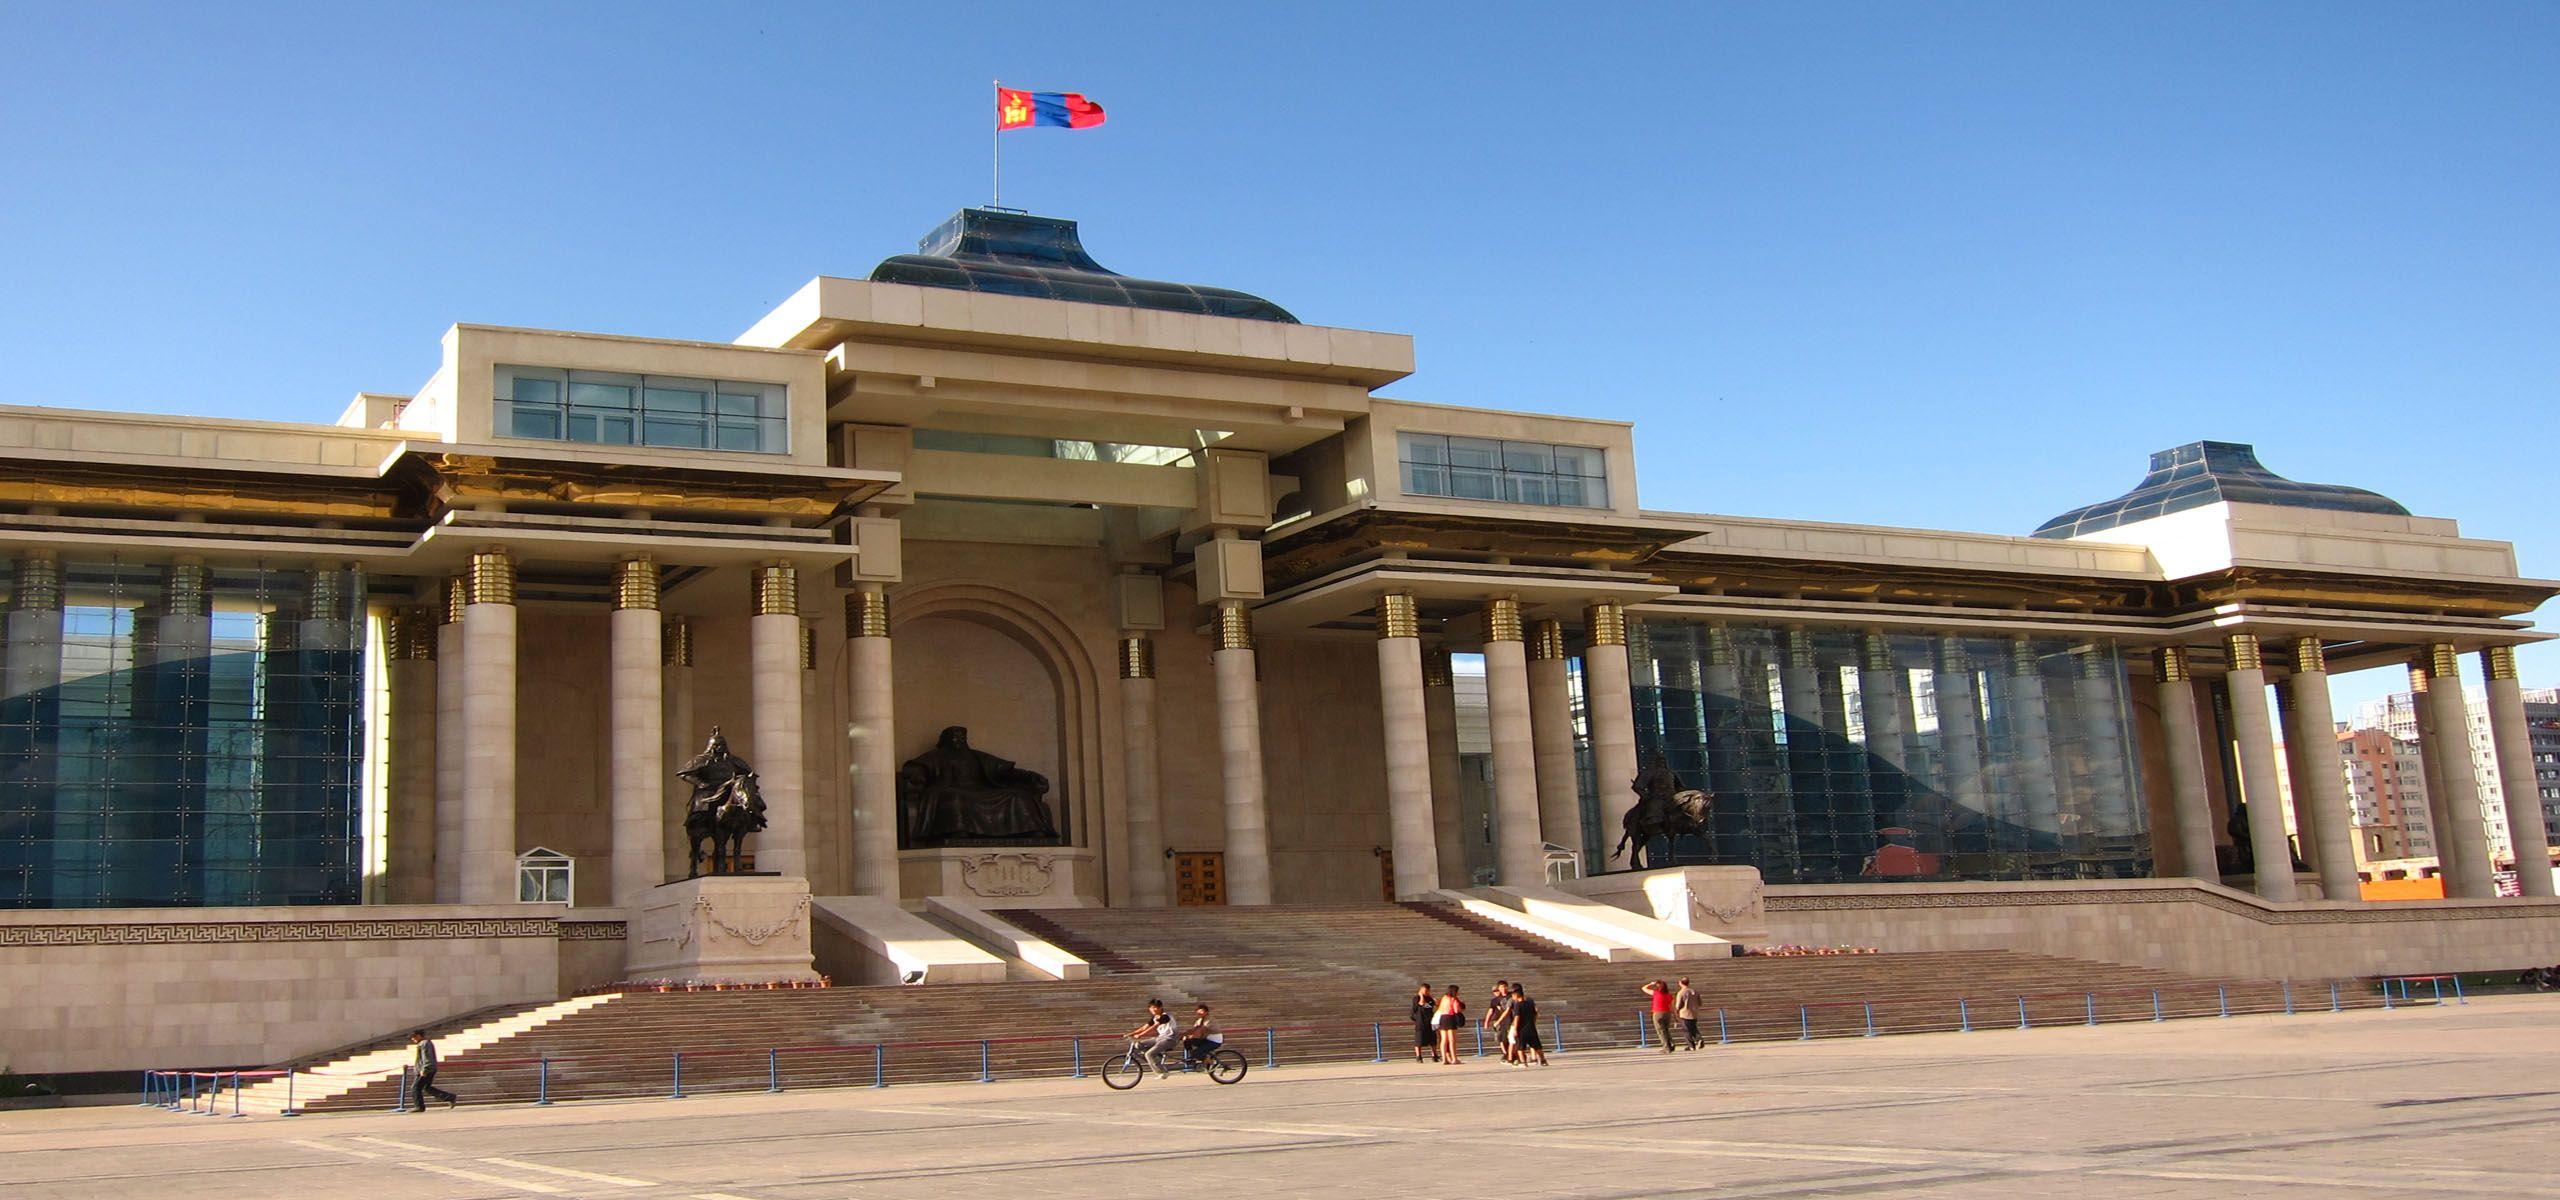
column 1200, row 878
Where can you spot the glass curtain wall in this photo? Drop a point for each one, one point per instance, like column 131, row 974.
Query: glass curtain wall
column 1839, row 756
column 179, row 735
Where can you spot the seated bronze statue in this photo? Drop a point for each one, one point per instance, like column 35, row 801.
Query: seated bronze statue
column 954, row 795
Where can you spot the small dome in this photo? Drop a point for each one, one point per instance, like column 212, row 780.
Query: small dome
column 1017, row 254
column 2202, row 473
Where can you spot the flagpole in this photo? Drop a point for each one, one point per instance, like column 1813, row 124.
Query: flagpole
column 995, row 150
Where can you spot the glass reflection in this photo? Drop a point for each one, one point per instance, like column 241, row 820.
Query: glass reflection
column 1839, row 756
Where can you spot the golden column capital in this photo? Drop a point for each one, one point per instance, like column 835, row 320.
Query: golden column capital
column 635, row 583
column 2310, row 656
column 1397, row 618
column 2244, row 651
column 866, row 613
column 328, row 593
column 2421, row 677
column 1879, row 651
column 1606, row 623
column 1799, row 645
column 675, row 643
column 279, row 629
column 2445, row 661
column 1435, row 667
column 457, row 592
column 413, row 633
column 183, row 591
column 2171, row 664
column 39, row 582
column 1502, row 619
column 777, row 590
column 2498, row 662
column 808, row 646
column 2024, row 660
column 491, row 579
column 1137, row 657
column 1546, row 640
column 1719, row 645
column 1234, row 626
column 1639, row 644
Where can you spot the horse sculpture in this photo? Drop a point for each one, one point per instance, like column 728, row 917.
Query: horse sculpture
column 725, row 818
column 1663, row 809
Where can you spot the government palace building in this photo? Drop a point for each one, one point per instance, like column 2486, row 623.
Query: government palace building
column 1009, row 582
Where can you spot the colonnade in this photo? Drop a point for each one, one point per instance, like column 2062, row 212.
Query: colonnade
column 2323, row 816
column 649, row 701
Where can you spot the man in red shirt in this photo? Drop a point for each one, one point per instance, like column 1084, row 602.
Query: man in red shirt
column 1660, row 995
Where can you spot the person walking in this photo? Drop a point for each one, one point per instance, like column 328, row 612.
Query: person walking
column 1426, row 1008
column 1684, row 1005
column 1524, row 1040
column 422, row 1060
column 1659, row 994
column 1492, row 1021
column 1451, row 1015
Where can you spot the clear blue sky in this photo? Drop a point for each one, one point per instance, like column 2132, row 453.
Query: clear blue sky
column 1941, row 265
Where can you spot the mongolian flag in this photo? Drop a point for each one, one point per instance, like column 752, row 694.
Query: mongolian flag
column 1024, row 110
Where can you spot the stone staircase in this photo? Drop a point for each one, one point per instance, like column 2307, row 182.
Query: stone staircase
column 1299, row 983
column 315, row 1087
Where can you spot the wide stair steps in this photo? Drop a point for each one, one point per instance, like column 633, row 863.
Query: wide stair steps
column 1302, row 983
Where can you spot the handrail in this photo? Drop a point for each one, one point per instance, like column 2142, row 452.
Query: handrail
column 199, row 1090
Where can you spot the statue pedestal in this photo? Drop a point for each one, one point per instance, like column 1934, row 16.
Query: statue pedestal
column 1723, row 901
column 722, row 928
column 1004, row 876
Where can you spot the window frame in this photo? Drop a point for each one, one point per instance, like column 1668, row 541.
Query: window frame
column 1446, row 466
column 647, row 409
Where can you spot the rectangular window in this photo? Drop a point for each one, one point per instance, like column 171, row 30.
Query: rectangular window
column 608, row 408
column 1468, row 468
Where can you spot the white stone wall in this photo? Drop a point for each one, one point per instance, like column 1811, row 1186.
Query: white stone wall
column 129, row 989
column 2176, row 924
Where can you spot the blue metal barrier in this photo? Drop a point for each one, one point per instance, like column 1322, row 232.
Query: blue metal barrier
column 676, row 1090
column 1964, row 1016
column 542, row 1078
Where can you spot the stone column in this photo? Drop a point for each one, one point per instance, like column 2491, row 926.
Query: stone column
column 489, row 729
column 1448, row 785
column 2255, row 743
column 1147, row 885
column 637, row 739
column 1881, row 684
column 2031, row 738
column 1551, row 736
column 449, row 741
column 410, row 679
column 773, row 650
column 1240, row 784
column 817, row 786
column 1519, row 851
column 2182, row 744
column 2514, row 746
column 2474, row 874
column 675, row 658
column 1608, row 697
column 1407, row 740
column 872, row 726
column 2431, row 770
column 2322, row 816
column 171, row 688
column 31, row 722
column 2097, row 689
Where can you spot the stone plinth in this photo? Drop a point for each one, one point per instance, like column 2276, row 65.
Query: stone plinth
column 1004, row 876
column 735, row 928
column 1723, row 901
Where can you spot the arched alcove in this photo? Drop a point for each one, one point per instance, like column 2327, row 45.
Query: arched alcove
column 1001, row 663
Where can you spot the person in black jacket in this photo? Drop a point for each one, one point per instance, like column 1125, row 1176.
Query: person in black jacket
column 424, row 1077
column 1426, row 1040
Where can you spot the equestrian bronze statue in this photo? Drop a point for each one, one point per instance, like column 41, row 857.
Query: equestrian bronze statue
column 726, row 806
column 1663, row 809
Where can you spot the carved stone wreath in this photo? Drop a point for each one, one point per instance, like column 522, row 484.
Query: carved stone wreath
column 1699, row 907
column 998, row 875
column 754, row 937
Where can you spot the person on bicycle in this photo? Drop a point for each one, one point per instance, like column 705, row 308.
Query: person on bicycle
column 1202, row 1037
column 1158, row 1035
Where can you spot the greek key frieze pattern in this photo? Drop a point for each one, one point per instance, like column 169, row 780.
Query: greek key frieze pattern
column 591, row 931
column 195, row 933
column 2363, row 914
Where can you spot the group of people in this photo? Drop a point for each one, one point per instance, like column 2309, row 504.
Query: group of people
column 1668, row 1004
column 1510, row 1016
column 1160, row 1033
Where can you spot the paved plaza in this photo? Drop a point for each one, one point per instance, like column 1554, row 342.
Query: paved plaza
column 2425, row 1102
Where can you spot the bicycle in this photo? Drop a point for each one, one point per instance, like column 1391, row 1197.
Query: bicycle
column 1224, row 1065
